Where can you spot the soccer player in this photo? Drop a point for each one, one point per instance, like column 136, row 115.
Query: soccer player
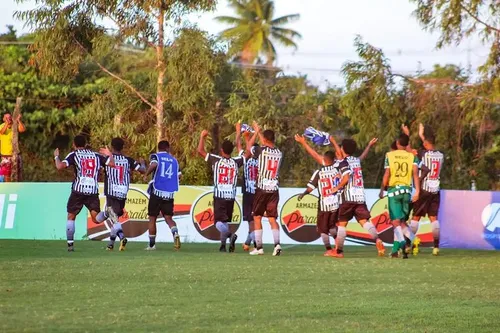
column 116, row 185
column 85, row 188
column 162, row 188
column 250, row 170
column 267, row 190
column 225, row 169
column 431, row 162
column 329, row 180
column 400, row 168
column 353, row 201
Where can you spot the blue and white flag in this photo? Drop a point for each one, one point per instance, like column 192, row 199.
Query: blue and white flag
column 317, row 137
column 246, row 128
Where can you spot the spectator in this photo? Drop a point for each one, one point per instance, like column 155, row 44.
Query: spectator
column 6, row 149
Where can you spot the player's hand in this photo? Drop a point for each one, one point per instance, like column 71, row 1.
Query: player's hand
column 105, row 151
column 19, row 116
column 56, row 152
column 246, row 135
column 405, row 129
column 256, row 127
column 238, row 127
column 421, row 129
column 300, row 197
column 415, row 197
column 381, row 194
column 204, row 133
column 300, row 138
column 373, row 141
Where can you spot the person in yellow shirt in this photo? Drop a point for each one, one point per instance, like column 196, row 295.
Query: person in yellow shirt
column 401, row 167
column 6, row 149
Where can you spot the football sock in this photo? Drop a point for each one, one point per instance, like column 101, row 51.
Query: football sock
column 249, row 239
column 224, row 231
column 435, row 232
column 70, row 232
column 276, row 236
column 258, row 239
column 326, row 241
column 152, row 240
column 370, row 228
column 341, row 234
column 174, row 231
column 333, row 232
column 101, row 217
column 398, row 238
column 112, row 236
column 414, row 226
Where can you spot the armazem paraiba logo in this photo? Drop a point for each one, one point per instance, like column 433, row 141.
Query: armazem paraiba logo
column 202, row 214
column 298, row 218
column 8, row 203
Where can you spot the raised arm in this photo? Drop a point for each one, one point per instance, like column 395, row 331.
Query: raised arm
column 201, row 145
column 59, row 164
column 421, row 132
column 252, row 140
column 302, row 140
column 385, row 182
column 406, row 131
column 416, row 183
column 336, row 147
column 238, row 137
column 106, row 152
column 367, row 149
column 20, row 126
column 257, row 130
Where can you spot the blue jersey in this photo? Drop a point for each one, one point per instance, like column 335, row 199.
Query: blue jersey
column 166, row 176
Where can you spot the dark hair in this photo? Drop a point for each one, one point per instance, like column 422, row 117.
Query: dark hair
column 117, row 144
column 255, row 145
column 404, row 140
column 269, row 135
column 163, row 145
column 394, row 146
column 329, row 155
column 349, row 146
column 80, row 141
column 430, row 138
column 227, row 147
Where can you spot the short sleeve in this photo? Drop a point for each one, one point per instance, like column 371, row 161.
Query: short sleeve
column 240, row 161
column 313, row 182
column 153, row 159
column 256, row 151
column 386, row 162
column 70, row 159
column 212, row 159
column 344, row 168
column 134, row 165
column 103, row 160
column 415, row 160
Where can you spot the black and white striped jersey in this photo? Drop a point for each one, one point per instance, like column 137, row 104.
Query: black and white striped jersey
column 87, row 164
column 354, row 191
column 433, row 160
column 250, row 170
column 325, row 180
column 269, row 160
column 117, row 178
column 225, row 175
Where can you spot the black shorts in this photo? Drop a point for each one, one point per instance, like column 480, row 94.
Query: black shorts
column 349, row 210
column 223, row 210
column 159, row 205
column 266, row 202
column 427, row 204
column 248, row 206
column 116, row 204
column 77, row 200
column 327, row 221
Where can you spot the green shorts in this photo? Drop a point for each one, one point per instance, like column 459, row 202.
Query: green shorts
column 399, row 203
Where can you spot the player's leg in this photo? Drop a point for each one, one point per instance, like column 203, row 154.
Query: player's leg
column 396, row 215
column 247, row 216
column 362, row 215
column 111, row 204
column 232, row 236
column 154, row 208
column 258, row 209
column 433, row 213
column 73, row 208
column 346, row 213
column 118, row 226
column 272, row 215
column 167, row 210
column 221, row 217
column 322, row 225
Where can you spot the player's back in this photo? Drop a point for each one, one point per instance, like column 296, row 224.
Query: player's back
column 433, row 160
column 269, row 160
column 400, row 164
column 117, row 178
column 87, row 164
column 250, row 171
column 354, row 190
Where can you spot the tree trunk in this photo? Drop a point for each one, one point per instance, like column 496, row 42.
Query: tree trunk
column 160, row 64
column 15, row 141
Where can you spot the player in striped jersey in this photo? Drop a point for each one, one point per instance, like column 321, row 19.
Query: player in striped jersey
column 250, row 170
column 353, row 201
column 85, row 188
column 116, row 185
column 225, row 170
column 329, row 180
column 431, row 162
column 162, row 188
column 267, row 188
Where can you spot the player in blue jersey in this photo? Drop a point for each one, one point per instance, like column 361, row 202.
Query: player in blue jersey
column 162, row 188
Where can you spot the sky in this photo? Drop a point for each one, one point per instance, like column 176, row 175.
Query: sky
column 328, row 29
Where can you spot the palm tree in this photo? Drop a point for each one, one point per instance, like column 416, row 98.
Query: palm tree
column 255, row 30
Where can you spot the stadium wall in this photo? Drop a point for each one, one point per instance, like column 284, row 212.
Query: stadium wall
column 469, row 220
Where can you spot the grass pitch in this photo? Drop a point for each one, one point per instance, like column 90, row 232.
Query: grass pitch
column 45, row 289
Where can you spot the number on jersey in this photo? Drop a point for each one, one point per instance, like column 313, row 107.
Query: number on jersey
column 166, row 170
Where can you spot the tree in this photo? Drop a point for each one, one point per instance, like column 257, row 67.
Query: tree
column 255, row 30
column 70, row 33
